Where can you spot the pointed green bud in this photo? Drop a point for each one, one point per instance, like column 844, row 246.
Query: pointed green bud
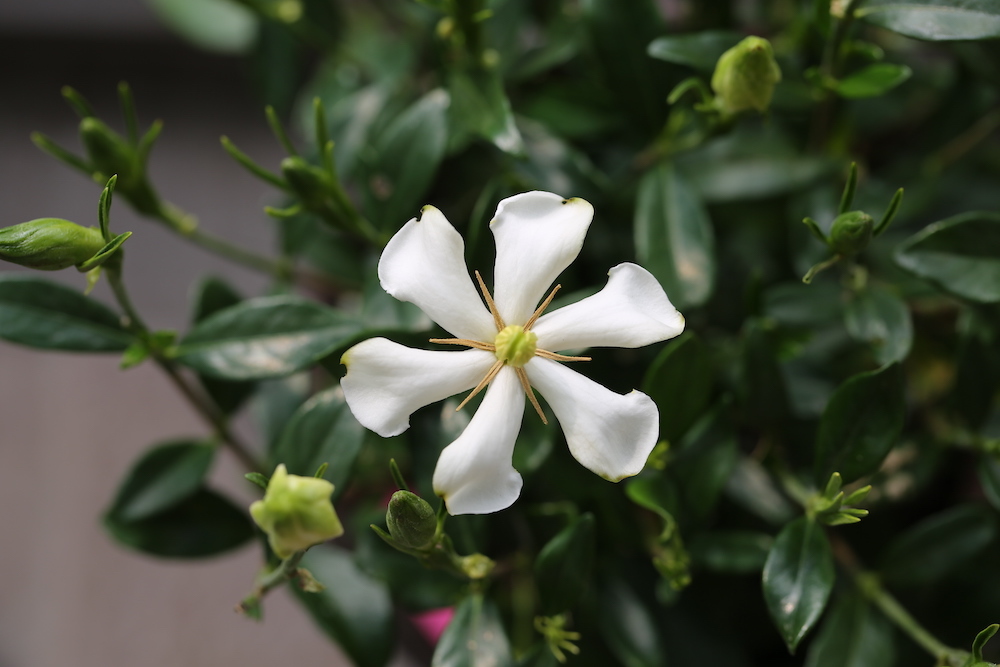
column 108, row 151
column 308, row 182
column 296, row 512
column 745, row 77
column 49, row 244
column 851, row 232
column 412, row 521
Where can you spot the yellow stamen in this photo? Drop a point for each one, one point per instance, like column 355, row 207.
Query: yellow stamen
column 538, row 312
column 492, row 373
column 497, row 320
column 489, row 347
column 545, row 354
column 522, row 375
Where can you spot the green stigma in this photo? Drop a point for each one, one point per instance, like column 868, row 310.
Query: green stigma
column 515, row 346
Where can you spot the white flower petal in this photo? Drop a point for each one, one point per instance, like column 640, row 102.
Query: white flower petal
column 424, row 263
column 474, row 474
column 608, row 433
column 631, row 311
column 386, row 382
column 537, row 234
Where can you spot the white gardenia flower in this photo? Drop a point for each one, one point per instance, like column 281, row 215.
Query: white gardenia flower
column 512, row 348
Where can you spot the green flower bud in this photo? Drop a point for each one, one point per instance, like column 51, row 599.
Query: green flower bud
column 851, row 232
column 109, row 153
column 49, row 244
column 745, row 77
column 308, row 182
column 412, row 521
column 296, row 512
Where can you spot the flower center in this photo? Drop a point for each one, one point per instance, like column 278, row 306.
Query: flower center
column 515, row 346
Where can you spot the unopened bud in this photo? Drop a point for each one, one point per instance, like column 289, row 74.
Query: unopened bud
column 411, row 520
column 49, row 244
column 296, row 512
column 108, row 152
column 851, row 232
column 745, row 76
column 308, row 182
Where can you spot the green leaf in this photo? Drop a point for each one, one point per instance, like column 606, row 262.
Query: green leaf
column 853, row 635
column 409, row 152
column 872, row 81
column 212, row 295
column 628, row 627
column 164, row 476
column 479, row 107
column 753, row 488
column 860, row 424
column 797, row 579
column 731, row 551
column 879, row 317
column 977, row 374
column 935, row 20
column 961, row 255
column 564, row 565
column 323, row 430
column 354, row 609
column 474, row 638
column 203, row 524
column 703, row 463
column 215, row 25
column 794, row 304
column 938, row 545
column 673, row 236
column 700, row 50
column 264, row 338
column 46, row 315
column 680, row 382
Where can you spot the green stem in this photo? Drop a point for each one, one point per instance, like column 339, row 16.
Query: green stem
column 870, row 586
column 185, row 225
column 201, row 402
column 287, row 569
column 829, row 68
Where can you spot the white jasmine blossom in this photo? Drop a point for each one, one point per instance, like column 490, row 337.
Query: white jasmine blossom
column 513, row 347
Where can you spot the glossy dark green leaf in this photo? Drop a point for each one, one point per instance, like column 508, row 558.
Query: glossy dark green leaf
column 872, row 81
column 264, row 338
column 853, row 635
column 564, row 565
column 961, row 255
column 680, row 382
column 936, row 20
column 700, row 50
column 878, row 317
column 354, row 609
column 654, row 492
column 795, row 304
column 211, row 296
column 860, row 424
column 202, row 524
column 674, row 237
column 474, row 638
column 47, row 315
column 703, row 462
column 754, row 488
column 731, row 551
column 628, row 626
column 797, row 579
column 322, row 431
column 479, row 107
column 409, row 152
column 161, row 478
column 989, row 478
column 938, row 545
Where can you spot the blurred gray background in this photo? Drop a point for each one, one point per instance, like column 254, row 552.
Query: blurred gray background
column 71, row 425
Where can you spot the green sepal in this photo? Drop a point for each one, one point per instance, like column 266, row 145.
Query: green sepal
column 104, row 254
column 257, row 478
column 980, row 641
